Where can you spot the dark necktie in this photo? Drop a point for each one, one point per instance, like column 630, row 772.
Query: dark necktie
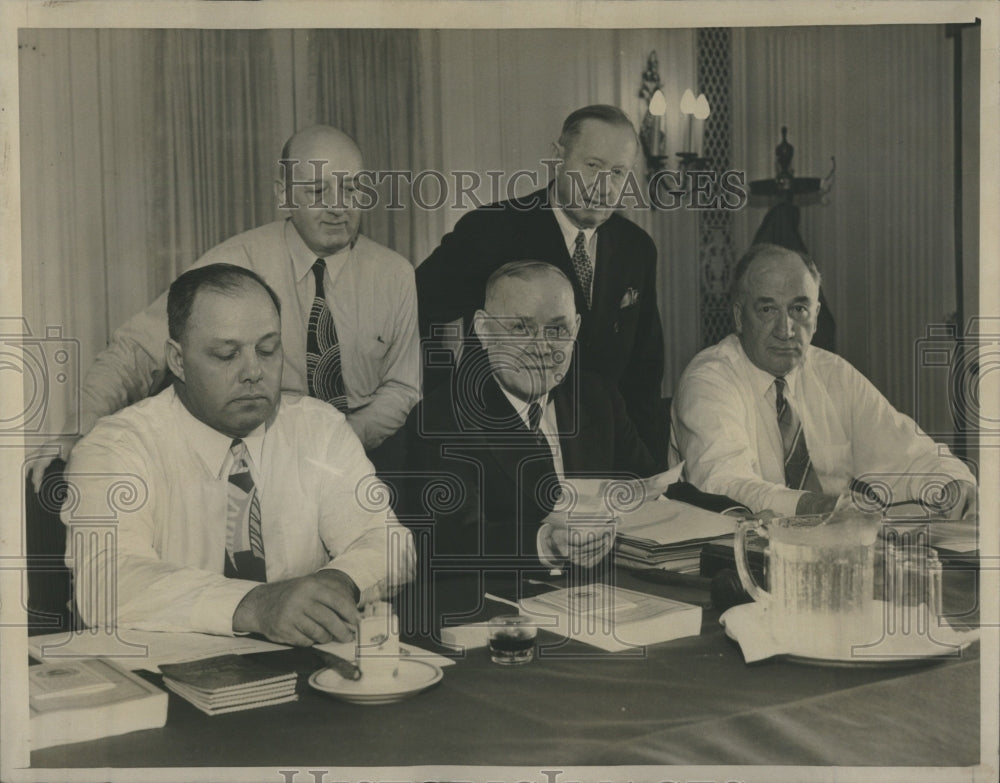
column 799, row 472
column 246, row 546
column 534, row 416
column 324, row 375
column 582, row 266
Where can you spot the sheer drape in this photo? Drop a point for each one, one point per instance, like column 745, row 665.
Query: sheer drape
column 85, row 174
column 215, row 142
column 878, row 98
column 370, row 84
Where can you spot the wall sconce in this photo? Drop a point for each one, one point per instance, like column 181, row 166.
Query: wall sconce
column 653, row 130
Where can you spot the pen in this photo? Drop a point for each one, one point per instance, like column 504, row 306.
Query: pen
column 342, row 666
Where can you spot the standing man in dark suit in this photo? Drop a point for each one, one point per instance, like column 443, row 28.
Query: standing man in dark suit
column 572, row 225
column 508, row 428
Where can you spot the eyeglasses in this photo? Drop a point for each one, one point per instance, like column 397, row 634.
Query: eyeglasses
column 520, row 329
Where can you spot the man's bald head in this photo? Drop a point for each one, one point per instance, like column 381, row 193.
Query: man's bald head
column 317, row 183
column 325, row 137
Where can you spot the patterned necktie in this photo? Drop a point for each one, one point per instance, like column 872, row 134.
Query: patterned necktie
column 245, row 541
column 323, row 371
column 799, row 472
column 582, row 266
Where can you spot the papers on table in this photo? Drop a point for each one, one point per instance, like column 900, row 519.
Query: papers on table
column 148, row 649
column 668, row 534
column 604, row 498
column 133, row 649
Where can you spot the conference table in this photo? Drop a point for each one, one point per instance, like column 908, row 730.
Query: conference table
column 690, row 701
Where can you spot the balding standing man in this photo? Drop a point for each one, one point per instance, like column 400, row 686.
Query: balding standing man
column 349, row 326
column 778, row 424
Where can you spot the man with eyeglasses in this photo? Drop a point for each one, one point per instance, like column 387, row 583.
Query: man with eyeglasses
column 778, row 424
column 574, row 224
column 515, row 418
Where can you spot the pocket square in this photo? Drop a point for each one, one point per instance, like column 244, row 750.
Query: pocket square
column 629, row 298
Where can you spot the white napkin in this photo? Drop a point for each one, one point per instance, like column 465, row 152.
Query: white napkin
column 750, row 626
column 745, row 624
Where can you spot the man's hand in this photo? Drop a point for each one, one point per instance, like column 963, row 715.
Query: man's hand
column 40, row 459
column 815, row 503
column 309, row 610
column 582, row 544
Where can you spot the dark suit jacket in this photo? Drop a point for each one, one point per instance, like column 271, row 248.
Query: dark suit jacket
column 468, row 432
column 624, row 345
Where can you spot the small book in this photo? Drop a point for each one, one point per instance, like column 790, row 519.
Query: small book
column 227, row 683
column 83, row 699
column 613, row 618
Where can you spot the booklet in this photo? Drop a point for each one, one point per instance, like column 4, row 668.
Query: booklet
column 612, row 618
column 89, row 698
column 228, row 683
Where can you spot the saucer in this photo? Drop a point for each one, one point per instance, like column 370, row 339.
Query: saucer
column 751, row 627
column 412, row 677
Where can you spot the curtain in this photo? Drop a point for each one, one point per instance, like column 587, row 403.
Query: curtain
column 85, row 171
column 878, row 98
column 370, row 84
column 215, row 142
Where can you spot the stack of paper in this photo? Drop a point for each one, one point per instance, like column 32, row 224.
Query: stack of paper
column 668, row 534
column 228, row 683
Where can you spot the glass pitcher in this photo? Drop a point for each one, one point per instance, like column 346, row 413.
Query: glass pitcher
column 821, row 577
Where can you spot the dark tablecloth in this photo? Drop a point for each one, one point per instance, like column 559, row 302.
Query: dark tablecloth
column 689, row 701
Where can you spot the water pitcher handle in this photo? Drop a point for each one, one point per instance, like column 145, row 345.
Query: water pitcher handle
column 742, row 566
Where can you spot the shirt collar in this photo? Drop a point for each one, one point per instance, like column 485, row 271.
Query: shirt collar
column 569, row 230
column 521, row 407
column 303, row 258
column 211, row 445
column 761, row 381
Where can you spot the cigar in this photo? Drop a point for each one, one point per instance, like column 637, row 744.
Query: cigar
column 345, row 668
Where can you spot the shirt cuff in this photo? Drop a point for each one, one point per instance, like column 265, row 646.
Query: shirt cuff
column 784, row 501
column 213, row 612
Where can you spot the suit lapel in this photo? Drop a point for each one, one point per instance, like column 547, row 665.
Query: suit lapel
column 500, row 430
column 608, row 277
column 575, row 426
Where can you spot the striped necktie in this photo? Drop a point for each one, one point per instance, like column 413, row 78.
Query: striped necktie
column 799, row 472
column 324, row 375
column 534, row 416
column 244, row 537
column 582, row 266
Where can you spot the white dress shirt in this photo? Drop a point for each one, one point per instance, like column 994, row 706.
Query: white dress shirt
column 726, row 429
column 370, row 291
column 165, row 558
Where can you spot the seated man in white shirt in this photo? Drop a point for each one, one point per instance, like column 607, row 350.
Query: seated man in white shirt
column 246, row 515
column 739, row 404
